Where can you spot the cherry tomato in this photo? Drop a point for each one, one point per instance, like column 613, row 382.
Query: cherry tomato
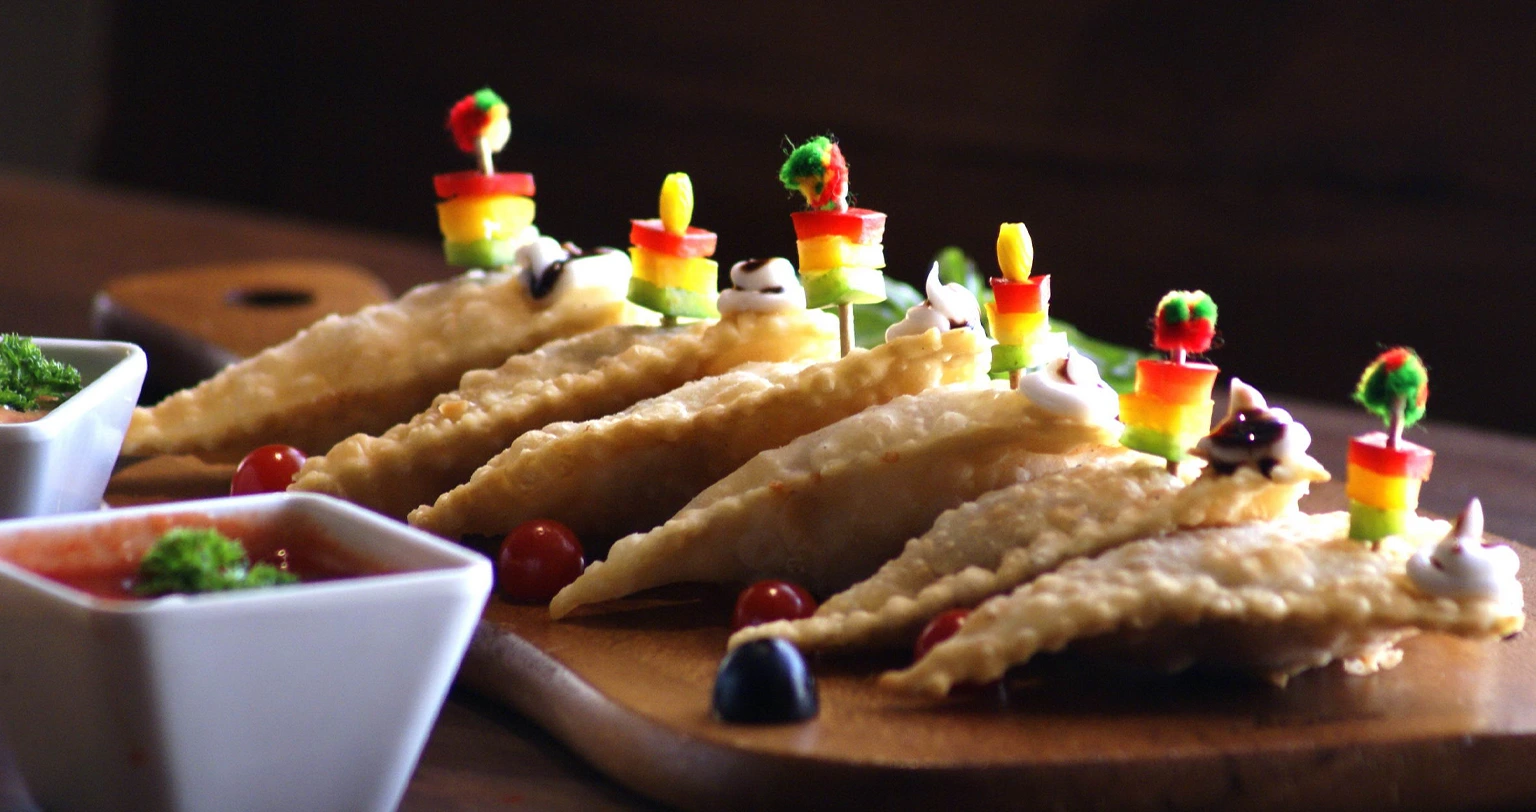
column 941, row 628
column 268, row 469
column 538, row 558
column 765, row 601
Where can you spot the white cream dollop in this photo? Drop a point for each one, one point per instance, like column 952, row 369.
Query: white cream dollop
column 550, row 268
column 948, row 307
column 1461, row 566
column 763, row 286
column 1236, row 440
column 1070, row 386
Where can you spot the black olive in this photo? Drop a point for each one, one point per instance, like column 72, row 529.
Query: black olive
column 765, row 681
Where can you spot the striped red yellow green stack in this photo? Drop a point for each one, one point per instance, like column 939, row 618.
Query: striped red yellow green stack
column 485, row 214
column 673, row 273
column 839, row 247
column 1020, row 310
column 1384, row 470
column 1170, row 408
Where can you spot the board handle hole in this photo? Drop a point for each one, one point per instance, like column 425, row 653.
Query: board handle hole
column 270, row 298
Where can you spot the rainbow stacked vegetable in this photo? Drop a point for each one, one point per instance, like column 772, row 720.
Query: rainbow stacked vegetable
column 1020, row 314
column 485, row 215
column 673, row 273
column 1170, row 408
column 1385, row 471
column 839, row 247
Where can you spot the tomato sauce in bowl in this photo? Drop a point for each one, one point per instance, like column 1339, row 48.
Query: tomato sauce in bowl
column 103, row 561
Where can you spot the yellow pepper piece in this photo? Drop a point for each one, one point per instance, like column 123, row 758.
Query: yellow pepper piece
column 1015, row 328
column 833, row 251
column 471, row 218
column 1384, row 492
column 666, row 271
column 1015, row 251
column 676, row 202
column 1155, row 414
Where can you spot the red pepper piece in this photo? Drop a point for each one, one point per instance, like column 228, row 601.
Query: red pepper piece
column 463, row 184
column 653, row 236
column 856, row 225
column 1032, row 295
column 1370, row 451
column 1173, row 382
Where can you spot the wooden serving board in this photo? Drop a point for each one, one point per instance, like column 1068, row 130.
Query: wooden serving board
column 1452, row 727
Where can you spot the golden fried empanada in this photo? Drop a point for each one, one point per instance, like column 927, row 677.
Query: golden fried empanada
column 370, row 370
column 573, row 379
column 1012, row 535
column 1275, row 597
column 632, row 470
column 832, row 506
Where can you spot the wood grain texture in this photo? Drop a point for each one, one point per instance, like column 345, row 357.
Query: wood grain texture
column 1453, row 727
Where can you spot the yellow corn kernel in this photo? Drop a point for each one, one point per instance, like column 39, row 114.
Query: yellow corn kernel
column 666, row 271
column 1015, row 251
column 471, row 218
column 1155, row 414
column 676, row 202
column 1015, row 328
column 1382, row 491
column 826, row 253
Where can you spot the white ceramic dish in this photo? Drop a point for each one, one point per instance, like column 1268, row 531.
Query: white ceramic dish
column 61, row 462
column 315, row 696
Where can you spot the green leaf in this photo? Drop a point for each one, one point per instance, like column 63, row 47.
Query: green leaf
column 1116, row 364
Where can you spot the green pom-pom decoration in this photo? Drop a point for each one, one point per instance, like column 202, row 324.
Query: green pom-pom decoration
column 1396, row 379
column 809, row 160
column 486, row 98
column 1180, row 306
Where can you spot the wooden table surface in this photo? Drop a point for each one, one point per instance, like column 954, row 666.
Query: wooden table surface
column 60, row 243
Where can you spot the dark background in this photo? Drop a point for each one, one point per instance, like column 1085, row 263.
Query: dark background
column 1338, row 176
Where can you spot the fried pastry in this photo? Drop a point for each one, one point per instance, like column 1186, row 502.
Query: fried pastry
column 1276, row 597
column 370, row 370
column 1012, row 535
column 574, row 379
column 631, row 471
column 832, row 506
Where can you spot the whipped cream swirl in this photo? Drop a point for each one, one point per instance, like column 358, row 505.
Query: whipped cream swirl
column 762, row 285
column 1253, row 434
column 549, row 267
column 1463, row 566
column 1071, row 387
column 949, row 307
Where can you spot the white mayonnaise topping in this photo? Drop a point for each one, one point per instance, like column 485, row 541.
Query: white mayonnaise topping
column 1070, row 386
column 949, row 307
column 762, row 285
column 1245, row 406
column 602, row 268
column 1462, row 566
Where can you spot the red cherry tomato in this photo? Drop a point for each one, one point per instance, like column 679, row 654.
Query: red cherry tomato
column 941, row 628
column 268, row 469
column 538, row 558
column 766, row 601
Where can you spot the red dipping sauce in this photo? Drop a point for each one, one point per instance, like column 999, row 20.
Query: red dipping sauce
column 103, row 560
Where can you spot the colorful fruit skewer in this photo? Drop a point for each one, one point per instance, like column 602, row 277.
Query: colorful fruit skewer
column 485, row 215
column 1170, row 408
column 1385, row 471
column 1020, row 312
column 673, row 273
column 839, row 247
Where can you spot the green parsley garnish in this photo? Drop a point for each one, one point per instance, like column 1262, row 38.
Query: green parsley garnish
column 28, row 381
column 200, row 559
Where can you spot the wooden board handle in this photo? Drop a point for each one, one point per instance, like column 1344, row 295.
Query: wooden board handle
column 194, row 321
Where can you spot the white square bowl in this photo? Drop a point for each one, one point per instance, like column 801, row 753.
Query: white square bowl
column 314, row 696
column 60, row 463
